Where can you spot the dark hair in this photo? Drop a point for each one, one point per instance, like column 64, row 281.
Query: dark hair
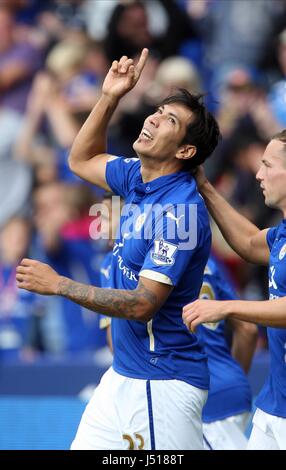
column 203, row 132
column 281, row 136
column 114, row 44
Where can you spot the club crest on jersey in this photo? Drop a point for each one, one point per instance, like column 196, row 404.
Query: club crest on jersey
column 282, row 252
column 140, row 222
column 163, row 253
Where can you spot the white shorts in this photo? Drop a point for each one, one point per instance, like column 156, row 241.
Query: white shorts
column 268, row 432
column 126, row 413
column 226, row 434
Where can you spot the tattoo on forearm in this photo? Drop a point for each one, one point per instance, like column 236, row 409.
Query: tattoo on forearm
column 112, row 302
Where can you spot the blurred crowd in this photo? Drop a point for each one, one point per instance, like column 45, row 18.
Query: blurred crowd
column 54, row 55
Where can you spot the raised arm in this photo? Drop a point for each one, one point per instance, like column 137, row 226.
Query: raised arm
column 88, row 155
column 241, row 234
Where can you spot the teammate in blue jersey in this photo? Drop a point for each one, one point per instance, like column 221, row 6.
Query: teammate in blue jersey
column 159, row 378
column 226, row 413
column 266, row 247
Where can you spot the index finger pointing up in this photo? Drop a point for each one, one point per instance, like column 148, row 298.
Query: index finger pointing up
column 142, row 60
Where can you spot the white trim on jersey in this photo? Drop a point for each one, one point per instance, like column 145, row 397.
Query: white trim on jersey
column 155, row 276
column 151, row 335
column 104, row 322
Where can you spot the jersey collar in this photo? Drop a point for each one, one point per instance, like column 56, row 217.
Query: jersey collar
column 161, row 182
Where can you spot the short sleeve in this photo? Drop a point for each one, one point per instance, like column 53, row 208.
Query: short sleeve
column 270, row 236
column 121, row 175
column 167, row 257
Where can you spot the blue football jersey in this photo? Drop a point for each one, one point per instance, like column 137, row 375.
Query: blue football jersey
column 272, row 398
column 154, row 241
column 229, row 392
column 105, row 270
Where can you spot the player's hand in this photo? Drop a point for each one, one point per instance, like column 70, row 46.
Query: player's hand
column 123, row 75
column 199, row 175
column 203, row 311
column 37, row 277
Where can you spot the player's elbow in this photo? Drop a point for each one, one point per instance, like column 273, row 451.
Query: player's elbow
column 248, row 330
column 251, row 330
column 144, row 312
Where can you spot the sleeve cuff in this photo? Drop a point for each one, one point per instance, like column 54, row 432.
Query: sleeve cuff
column 155, row 276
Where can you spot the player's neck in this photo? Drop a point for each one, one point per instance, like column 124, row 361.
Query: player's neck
column 282, row 208
column 152, row 170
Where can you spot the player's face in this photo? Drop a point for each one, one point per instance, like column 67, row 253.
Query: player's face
column 272, row 175
column 163, row 132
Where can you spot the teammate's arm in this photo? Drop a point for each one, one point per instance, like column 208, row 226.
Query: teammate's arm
column 241, row 234
column 244, row 338
column 138, row 304
column 266, row 312
column 88, row 155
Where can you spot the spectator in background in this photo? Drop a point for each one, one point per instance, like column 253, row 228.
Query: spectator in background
column 128, row 30
column 18, row 62
column 66, row 63
column 17, row 308
column 96, row 62
column 97, row 16
column 246, row 120
column 58, row 20
column 282, row 51
column 174, row 72
column 60, row 99
column 243, row 97
column 62, row 223
column 15, row 189
column 236, row 33
column 277, row 95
